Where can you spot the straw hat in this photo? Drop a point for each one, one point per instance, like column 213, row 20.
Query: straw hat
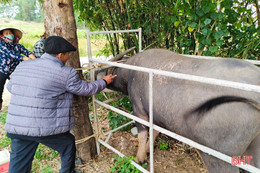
column 17, row 32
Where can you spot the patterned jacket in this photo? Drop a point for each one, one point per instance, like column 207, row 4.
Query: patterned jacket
column 38, row 49
column 41, row 97
column 10, row 56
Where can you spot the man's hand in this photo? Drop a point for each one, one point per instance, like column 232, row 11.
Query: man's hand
column 31, row 56
column 109, row 78
column 25, row 58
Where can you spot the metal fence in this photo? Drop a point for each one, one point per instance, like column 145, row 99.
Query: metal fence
column 152, row 72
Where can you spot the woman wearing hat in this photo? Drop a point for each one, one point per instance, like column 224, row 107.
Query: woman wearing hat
column 10, row 54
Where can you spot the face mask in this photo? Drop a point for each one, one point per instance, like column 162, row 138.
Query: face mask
column 9, row 38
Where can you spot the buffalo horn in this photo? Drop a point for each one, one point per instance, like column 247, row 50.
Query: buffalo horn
column 119, row 56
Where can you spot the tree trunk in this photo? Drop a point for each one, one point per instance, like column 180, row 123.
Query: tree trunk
column 60, row 21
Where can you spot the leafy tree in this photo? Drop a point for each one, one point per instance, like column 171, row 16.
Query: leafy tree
column 225, row 28
column 5, row 1
column 8, row 10
column 26, row 10
column 29, row 10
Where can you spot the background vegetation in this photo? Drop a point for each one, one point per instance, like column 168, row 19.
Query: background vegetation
column 228, row 28
column 25, row 10
column 33, row 31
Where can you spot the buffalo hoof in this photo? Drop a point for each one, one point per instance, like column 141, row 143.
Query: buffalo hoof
column 143, row 163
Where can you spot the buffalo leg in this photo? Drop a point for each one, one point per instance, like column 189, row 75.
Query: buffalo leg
column 155, row 134
column 142, row 132
column 141, row 153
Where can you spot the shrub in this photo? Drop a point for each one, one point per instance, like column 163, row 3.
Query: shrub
column 163, row 145
column 123, row 165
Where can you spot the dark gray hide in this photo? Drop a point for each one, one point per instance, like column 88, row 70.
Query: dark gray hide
column 232, row 128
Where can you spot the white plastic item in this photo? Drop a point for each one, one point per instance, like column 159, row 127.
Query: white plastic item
column 4, row 157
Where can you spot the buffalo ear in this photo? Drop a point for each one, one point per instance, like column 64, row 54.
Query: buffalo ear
column 118, row 57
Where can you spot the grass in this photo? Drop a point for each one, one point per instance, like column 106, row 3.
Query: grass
column 123, row 165
column 33, row 31
column 5, row 142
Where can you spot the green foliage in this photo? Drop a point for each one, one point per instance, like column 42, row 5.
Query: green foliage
column 44, row 152
column 125, row 103
column 5, row 142
column 163, row 145
column 100, row 96
column 225, row 28
column 3, row 117
column 33, row 31
column 26, row 10
column 123, row 165
column 5, row 1
column 105, row 51
column 117, row 120
column 46, row 169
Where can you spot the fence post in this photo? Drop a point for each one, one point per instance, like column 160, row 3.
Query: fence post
column 92, row 77
column 140, row 39
column 151, row 119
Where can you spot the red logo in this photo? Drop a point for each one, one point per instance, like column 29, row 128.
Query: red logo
column 236, row 160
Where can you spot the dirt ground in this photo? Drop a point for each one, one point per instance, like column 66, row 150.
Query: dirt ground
column 178, row 158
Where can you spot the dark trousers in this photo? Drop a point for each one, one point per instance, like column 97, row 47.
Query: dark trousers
column 23, row 149
column 3, row 78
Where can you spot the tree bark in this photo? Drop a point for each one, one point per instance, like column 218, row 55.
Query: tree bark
column 59, row 20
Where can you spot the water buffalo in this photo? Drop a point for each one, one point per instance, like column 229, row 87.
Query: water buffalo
column 221, row 118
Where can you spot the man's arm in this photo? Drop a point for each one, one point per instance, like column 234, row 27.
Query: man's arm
column 80, row 87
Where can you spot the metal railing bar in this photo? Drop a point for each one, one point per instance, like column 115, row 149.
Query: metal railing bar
column 111, row 32
column 207, row 80
column 112, row 99
column 151, row 120
column 205, row 149
column 107, row 139
column 126, row 124
column 256, row 62
column 183, row 139
column 92, row 71
column 212, row 81
column 123, row 113
column 140, row 39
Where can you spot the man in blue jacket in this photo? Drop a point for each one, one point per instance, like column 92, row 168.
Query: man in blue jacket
column 40, row 109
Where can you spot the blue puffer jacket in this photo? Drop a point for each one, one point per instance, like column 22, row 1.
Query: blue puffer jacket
column 41, row 97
